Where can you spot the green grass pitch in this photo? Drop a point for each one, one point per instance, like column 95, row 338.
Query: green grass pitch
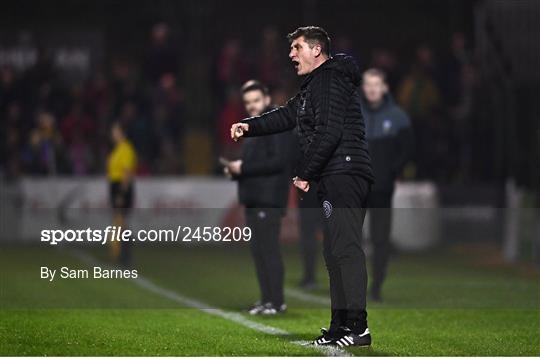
column 435, row 304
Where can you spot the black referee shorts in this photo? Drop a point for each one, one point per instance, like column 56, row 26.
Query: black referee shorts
column 121, row 198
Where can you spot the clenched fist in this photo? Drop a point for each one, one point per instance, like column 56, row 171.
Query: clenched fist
column 301, row 184
column 238, row 129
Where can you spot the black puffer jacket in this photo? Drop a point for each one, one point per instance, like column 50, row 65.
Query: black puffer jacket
column 266, row 170
column 328, row 116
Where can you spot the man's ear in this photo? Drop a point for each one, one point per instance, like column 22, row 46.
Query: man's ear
column 318, row 50
column 385, row 88
column 267, row 100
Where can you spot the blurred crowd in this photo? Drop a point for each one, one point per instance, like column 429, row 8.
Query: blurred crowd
column 438, row 90
column 52, row 126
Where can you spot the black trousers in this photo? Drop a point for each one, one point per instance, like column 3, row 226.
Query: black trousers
column 310, row 221
column 122, row 202
column 380, row 221
column 343, row 198
column 265, row 226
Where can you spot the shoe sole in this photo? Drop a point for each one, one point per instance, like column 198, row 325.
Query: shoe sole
column 337, row 345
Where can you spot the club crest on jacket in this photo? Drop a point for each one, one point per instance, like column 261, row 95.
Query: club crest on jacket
column 327, row 208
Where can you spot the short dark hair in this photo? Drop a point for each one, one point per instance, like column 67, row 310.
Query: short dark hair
column 313, row 35
column 376, row 72
column 254, row 85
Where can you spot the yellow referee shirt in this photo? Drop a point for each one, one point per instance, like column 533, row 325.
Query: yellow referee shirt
column 122, row 158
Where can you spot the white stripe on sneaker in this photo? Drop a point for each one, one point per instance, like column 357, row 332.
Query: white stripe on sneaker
column 366, row 332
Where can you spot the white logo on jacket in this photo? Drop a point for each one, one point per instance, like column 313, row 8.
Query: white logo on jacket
column 327, row 208
column 387, row 125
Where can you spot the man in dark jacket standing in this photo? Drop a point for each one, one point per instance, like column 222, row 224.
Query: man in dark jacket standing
column 390, row 140
column 263, row 174
column 328, row 119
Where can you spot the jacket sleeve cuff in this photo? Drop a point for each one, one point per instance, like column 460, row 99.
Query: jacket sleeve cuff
column 303, row 173
column 253, row 126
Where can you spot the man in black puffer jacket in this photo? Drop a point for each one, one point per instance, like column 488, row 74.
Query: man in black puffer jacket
column 328, row 119
column 263, row 174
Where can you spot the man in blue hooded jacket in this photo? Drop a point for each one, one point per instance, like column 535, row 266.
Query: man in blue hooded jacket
column 390, row 139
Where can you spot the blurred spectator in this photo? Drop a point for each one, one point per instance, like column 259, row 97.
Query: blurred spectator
column 232, row 65
column 40, row 84
column 8, row 86
column 459, row 88
column 418, row 92
column 168, row 123
column 140, row 132
column 44, row 152
column 97, row 96
column 390, row 139
column 146, row 93
column 77, row 120
column 420, row 97
column 10, row 163
column 462, row 115
column 270, row 58
column 80, row 154
column 13, row 128
column 78, row 130
column 168, row 101
column 386, row 61
column 42, row 72
column 161, row 57
column 164, row 123
column 125, row 84
column 457, row 58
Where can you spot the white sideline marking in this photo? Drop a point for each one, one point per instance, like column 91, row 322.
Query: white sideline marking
column 307, row 297
column 148, row 285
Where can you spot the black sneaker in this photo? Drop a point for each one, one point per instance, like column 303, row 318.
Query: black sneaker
column 350, row 339
column 269, row 309
column 325, row 339
column 256, row 309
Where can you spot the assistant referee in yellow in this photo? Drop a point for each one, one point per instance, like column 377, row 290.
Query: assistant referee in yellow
column 121, row 165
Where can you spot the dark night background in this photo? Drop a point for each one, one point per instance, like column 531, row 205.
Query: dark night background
column 170, row 70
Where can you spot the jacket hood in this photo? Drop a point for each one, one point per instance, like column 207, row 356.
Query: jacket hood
column 346, row 65
column 388, row 101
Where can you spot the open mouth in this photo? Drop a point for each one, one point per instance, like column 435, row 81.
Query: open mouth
column 296, row 64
